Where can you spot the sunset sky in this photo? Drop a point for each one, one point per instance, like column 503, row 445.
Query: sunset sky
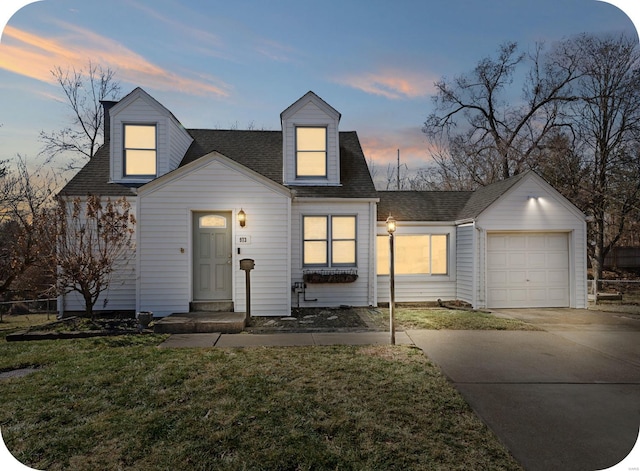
column 221, row 64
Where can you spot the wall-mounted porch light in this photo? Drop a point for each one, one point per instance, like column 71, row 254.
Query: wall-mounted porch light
column 242, row 217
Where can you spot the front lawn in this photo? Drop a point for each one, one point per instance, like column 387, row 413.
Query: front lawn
column 122, row 403
column 437, row 318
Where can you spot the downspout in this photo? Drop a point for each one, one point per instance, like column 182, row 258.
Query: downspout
column 480, row 273
column 373, row 269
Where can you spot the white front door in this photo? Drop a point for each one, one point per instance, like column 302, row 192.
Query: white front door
column 212, row 256
column 527, row 270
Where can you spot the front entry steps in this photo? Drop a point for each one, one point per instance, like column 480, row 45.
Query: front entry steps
column 201, row 322
column 211, row 306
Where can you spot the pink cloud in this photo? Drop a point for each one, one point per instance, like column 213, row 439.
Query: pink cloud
column 394, row 84
column 34, row 56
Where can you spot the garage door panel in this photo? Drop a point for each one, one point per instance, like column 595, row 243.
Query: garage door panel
column 517, row 295
column 497, row 243
column 557, row 260
column 517, row 277
column 559, row 277
column 556, row 294
column 536, row 260
column 534, row 242
column 516, row 243
column 528, row 270
column 539, row 296
column 517, row 259
column 499, row 260
column 557, row 242
column 538, row 276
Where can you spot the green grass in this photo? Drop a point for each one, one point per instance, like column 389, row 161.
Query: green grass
column 122, row 403
column 433, row 318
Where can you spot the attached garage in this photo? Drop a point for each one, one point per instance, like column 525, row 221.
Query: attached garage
column 528, row 270
column 516, row 243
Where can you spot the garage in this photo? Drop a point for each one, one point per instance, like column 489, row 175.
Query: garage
column 527, row 269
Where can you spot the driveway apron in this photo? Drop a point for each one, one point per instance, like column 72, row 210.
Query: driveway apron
column 564, row 398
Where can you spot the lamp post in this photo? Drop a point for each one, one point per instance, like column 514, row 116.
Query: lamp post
column 391, row 228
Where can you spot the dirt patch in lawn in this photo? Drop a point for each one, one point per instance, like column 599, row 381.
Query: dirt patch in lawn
column 78, row 327
column 314, row 320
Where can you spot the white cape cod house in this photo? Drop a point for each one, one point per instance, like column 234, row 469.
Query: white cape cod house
column 300, row 202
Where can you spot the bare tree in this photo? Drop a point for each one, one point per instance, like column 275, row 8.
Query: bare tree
column 92, row 237
column 490, row 134
column 606, row 124
column 25, row 225
column 83, row 91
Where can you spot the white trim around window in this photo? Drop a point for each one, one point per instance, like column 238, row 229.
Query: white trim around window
column 329, row 241
column 311, row 158
column 139, row 150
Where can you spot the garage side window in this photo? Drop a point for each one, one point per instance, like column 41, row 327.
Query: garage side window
column 424, row 254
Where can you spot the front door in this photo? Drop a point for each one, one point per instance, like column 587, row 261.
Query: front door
column 212, row 256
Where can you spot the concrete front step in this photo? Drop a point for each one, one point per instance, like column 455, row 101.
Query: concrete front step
column 201, row 322
column 211, row 306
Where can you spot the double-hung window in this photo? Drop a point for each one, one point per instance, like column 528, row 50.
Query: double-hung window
column 311, row 152
column 329, row 241
column 422, row 254
column 140, row 150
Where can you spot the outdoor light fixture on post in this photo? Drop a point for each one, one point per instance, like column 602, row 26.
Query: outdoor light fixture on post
column 391, row 228
column 242, row 217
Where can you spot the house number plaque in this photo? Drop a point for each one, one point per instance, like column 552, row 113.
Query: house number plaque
column 243, row 240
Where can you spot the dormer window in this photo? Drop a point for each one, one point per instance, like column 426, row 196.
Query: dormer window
column 311, row 152
column 140, row 150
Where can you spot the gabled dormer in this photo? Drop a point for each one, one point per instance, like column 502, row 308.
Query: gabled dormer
column 145, row 139
column 310, row 140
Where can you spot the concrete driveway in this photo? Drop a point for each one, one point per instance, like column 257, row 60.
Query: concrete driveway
column 566, row 397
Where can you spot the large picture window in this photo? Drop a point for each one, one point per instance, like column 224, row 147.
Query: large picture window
column 329, row 241
column 311, row 152
column 139, row 150
column 424, row 254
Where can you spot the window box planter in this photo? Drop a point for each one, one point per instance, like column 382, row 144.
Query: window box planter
column 328, row 276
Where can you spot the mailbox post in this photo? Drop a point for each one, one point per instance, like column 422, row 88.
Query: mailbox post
column 247, row 265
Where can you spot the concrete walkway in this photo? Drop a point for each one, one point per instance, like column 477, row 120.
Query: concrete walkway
column 282, row 339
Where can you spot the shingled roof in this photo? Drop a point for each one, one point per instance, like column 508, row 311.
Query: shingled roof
column 442, row 205
column 422, row 205
column 260, row 151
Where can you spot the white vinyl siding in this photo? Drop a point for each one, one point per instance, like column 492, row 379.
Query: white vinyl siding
column 165, row 217
column 358, row 293
column 465, row 262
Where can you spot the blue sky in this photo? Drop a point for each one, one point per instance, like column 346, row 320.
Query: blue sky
column 218, row 64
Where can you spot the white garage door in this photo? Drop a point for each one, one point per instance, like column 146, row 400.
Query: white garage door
column 527, row 270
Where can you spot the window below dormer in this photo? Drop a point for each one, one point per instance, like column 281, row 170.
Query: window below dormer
column 140, row 150
column 311, row 152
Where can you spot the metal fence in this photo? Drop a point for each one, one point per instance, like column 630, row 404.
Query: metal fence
column 33, row 305
column 625, row 291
